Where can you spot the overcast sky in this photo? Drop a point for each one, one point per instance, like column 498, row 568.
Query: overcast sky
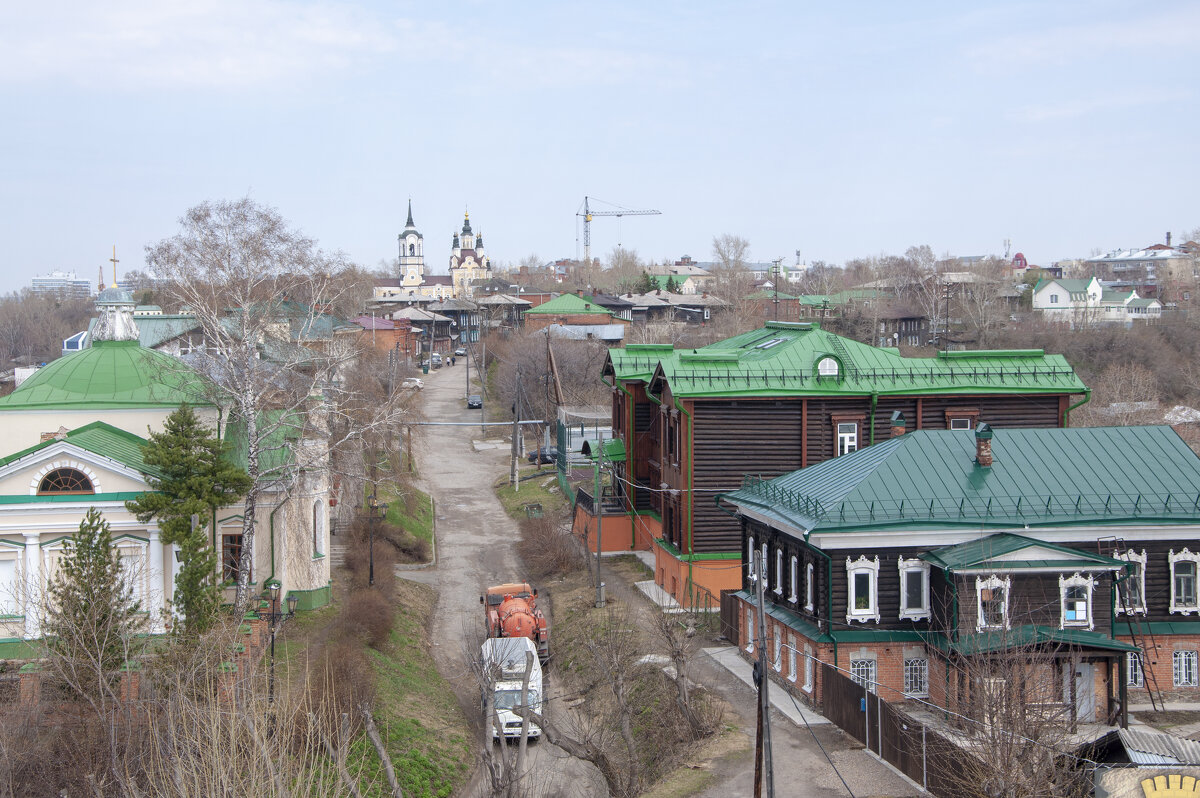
column 838, row 129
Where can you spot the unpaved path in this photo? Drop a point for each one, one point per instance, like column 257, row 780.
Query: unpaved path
column 475, row 548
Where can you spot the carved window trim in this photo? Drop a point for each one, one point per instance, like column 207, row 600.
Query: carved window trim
column 908, row 566
column 991, row 582
column 1185, row 556
column 1075, row 580
column 855, row 568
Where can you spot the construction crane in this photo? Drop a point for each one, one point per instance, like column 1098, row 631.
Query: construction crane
column 587, row 213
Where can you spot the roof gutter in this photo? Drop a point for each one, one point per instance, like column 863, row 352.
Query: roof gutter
column 1066, row 419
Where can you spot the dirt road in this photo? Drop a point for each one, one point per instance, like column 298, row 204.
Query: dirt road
column 475, row 548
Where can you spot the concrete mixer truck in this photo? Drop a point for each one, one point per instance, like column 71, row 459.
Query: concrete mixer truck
column 512, row 611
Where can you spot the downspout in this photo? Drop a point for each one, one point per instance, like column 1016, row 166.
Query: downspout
column 828, row 592
column 629, row 425
column 1087, row 394
column 871, row 419
column 954, row 616
column 271, row 527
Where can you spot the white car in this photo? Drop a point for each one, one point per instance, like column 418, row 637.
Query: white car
column 412, row 382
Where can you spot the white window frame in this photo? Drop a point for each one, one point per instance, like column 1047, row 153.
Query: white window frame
column 960, row 423
column 795, row 596
column 853, row 568
column 750, row 629
column 810, row 589
column 865, row 673
column 1135, row 675
column 847, row 439
column 918, row 668
column 12, row 596
column 1185, row 556
column 992, row 581
column 908, row 566
column 778, row 572
column 777, row 660
column 792, row 658
column 1075, row 580
column 1184, row 668
column 828, row 367
column 765, row 578
column 809, row 669
column 753, row 573
column 1140, row 558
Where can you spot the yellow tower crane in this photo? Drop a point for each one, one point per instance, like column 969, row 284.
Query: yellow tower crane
column 587, row 213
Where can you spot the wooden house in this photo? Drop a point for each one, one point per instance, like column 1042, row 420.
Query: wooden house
column 923, row 564
column 789, row 395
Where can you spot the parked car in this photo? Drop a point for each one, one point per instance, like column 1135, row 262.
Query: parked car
column 412, row 382
column 543, row 456
column 460, row 352
column 474, row 401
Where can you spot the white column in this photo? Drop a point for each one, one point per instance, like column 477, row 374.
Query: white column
column 154, row 601
column 33, row 592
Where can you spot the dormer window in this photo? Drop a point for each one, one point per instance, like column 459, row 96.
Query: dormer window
column 828, row 367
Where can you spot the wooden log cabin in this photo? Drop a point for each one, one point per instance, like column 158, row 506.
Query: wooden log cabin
column 789, row 395
column 1038, row 567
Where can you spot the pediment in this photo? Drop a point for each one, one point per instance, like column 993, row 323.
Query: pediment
column 21, row 477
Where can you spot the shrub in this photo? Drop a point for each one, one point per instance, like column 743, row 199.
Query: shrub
column 370, row 616
column 548, row 550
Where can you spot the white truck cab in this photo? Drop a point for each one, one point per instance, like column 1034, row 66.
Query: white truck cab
column 504, row 658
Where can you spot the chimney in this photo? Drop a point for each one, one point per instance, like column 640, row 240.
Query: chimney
column 579, row 292
column 983, row 445
column 898, row 424
column 1168, row 238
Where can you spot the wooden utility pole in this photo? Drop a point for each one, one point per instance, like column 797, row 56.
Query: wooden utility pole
column 598, row 505
column 516, row 432
column 762, row 743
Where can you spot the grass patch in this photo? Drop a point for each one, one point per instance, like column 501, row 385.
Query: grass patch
column 414, row 515
column 543, row 491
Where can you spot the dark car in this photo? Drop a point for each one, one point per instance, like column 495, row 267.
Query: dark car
column 474, row 401
column 543, row 455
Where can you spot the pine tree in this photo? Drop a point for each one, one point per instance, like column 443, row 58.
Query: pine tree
column 196, row 479
column 671, row 285
column 646, row 285
column 91, row 616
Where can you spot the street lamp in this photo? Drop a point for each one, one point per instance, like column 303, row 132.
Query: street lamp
column 375, row 512
column 276, row 618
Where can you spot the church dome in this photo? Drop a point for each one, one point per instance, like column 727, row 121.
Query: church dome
column 114, row 296
column 110, row 374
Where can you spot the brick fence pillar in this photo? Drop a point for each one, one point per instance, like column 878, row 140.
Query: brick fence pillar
column 30, row 685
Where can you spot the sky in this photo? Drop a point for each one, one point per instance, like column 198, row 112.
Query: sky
column 837, row 129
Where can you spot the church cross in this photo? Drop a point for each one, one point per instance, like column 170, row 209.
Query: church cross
column 113, row 260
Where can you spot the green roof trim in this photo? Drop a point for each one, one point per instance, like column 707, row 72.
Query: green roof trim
column 1031, row 635
column 569, row 304
column 102, row 439
column 929, row 479
column 613, row 449
column 75, row 498
column 108, row 375
column 985, row 553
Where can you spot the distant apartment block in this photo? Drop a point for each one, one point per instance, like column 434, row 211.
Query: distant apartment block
column 64, row 282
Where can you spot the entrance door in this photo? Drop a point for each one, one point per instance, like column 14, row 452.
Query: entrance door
column 1085, row 690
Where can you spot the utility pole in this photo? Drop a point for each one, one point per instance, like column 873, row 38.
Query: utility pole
column 598, row 504
column 516, row 431
column 762, row 744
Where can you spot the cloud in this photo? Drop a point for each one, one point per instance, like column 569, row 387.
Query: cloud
column 205, row 43
column 1108, row 104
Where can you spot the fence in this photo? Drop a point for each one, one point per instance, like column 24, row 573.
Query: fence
column 729, row 617
column 920, row 753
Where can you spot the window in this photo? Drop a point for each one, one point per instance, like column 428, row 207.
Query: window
column 862, row 671
column 777, row 660
column 1054, row 299
column 1133, row 669
column 1183, row 667
column 808, row 669
column 762, row 565
column 10, row 587
column 916, row 676
column 1075, row 596
column 847, row 438
column 827, row 367
column 318, row 528
column 809, row 588
column 231, row 556
column 862, row 577
column 992, row 596
column 1183, row 581
column 914, row 588
column 960, row 423
column 792, row 659
column 133, row 566
column 795, row 596
column 751, row 566
column 1131, row 591
column 749, row 630
column 962, row 417
column 779, row 572
column 65, row 480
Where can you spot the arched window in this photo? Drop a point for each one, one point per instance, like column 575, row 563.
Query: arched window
column 65, row 480
column 318, row 528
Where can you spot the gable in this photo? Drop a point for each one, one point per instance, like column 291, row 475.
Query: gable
column 21, row 474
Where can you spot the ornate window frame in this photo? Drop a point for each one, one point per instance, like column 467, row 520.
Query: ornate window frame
column 1075, row 580
column 778, row 571
column 916, row 675
column 810, row 588
column 809, row 669
column 751, row 573
column 1184, row 556
column 795, row 594
column 853, row 568
column 906, row 566
column 1129, row 555
column 992, row 581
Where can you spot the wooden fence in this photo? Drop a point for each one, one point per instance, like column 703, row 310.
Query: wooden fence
column 919, row 752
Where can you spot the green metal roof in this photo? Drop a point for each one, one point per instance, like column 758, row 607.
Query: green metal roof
column 636, row 361
column 109, row 374
column 1031, row 635
column 102, row 439
column 769, row 294
column 571, row 304
column 781, row 359
column 614, row 449
column 991, row 553
column 1048, row 477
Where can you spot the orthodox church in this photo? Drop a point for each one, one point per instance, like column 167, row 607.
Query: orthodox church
column 73, row 436
column 467, row 260
column 412, row 254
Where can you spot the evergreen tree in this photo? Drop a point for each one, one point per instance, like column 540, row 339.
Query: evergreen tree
column 197, row 479
column 91, row 616
column 672, row 286
column 646, row 285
